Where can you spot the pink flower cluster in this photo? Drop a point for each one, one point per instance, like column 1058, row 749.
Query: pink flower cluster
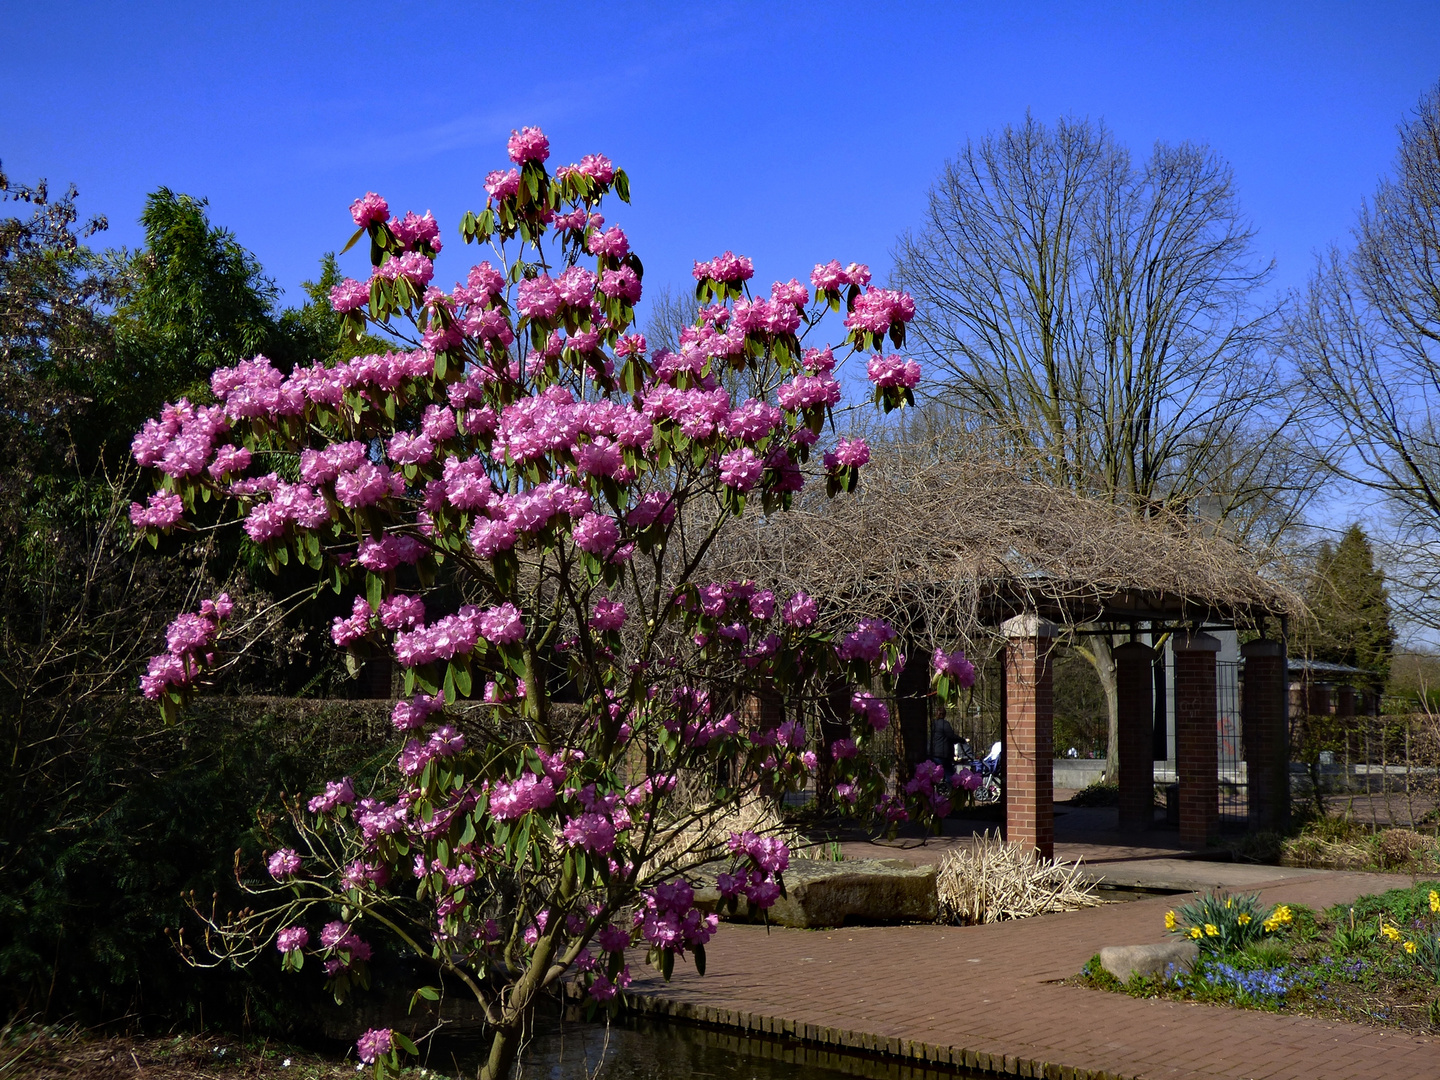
column 283, row 864
column 956, row 666
column 866, row 641
column 832, row 277
column 893, row 370
column 337, row 793
column 670, row 919
column 373, row 1044
column 848, row 454
column 922, row 785
column 181, row 441
column 346, row 632
column 875, row 711
column 607, row 615
column 188, row 639
column 768, row 857
column 528, row 144
column 411, row 713
column 799, row 611
column 514, row 799
column 292, row 938
column 162, row 509
column 370, row 208
column 728, row 267
column 876, row 310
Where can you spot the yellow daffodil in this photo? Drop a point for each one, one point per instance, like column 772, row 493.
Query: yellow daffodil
column 1243, row 918
column 1229, row 902
column 1410, row 947
column 1196, row 932
column 1212, row 930
column 1434, row 902
column 1390, row 932
column 1169, row 920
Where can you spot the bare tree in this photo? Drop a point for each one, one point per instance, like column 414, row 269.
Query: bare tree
column 1366, row 335
column 1102, row 320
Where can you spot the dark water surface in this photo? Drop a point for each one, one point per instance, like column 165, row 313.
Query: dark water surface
column 633, row 1049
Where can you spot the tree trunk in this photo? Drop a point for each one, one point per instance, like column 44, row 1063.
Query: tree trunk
column 1100, row 656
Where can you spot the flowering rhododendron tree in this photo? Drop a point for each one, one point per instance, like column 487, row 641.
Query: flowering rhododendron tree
column 520, row 498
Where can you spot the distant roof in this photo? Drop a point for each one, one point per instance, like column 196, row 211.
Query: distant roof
column 948, row 548
column 1322, row 667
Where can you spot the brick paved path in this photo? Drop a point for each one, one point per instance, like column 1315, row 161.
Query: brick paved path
column 988, row 996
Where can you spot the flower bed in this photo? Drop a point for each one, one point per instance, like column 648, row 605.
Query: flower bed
column 1376, row 961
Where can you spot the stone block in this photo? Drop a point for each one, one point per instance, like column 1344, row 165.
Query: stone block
column 820, row 894
column 1122, row 961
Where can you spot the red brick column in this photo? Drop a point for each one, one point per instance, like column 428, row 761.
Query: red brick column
column 1264, row 719
column 1135, row 689
column 1029, row 735
column 1196, row 736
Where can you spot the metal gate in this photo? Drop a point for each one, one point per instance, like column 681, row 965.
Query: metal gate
column 1234, row 804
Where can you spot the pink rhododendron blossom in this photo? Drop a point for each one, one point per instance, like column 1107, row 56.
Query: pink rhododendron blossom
column 401, row 612
column 501, row 184
column 612, row 243
column 808, row 392
column 956, row 666
column 607, row 615
column 876, row 310
column 292, row 938
column 373, row 1044
column 501, row 625
column 349, row 295
column 368, row 484
column 162, row 509
column 337, row 793
column 741, row 469
column 893, row 370
column 728, row 267
column 843, row 749
column 369, row 209
column 410, row 713
column 849, row 453
column 621, row 283
column 597, row 533
column 229, row 460
column 875, row 711
column 752, row 421
column 283, row 864
column 528, row 144
column 413, row 230
column 799, row 611
column 597, row 167
column 509, row 801
column 866, row 641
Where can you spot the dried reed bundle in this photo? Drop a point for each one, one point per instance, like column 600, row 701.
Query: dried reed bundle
column 992, row 880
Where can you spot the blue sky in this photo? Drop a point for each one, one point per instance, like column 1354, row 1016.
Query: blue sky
column 790, row 132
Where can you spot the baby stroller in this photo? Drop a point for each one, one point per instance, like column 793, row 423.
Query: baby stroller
column 984, row 773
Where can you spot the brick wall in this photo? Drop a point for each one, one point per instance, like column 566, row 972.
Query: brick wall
column 1196, row 735
column 1135, row 690
column 1029, row 735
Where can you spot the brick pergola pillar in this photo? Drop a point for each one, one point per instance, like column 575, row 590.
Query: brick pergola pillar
column 1265, row 723
column 1135, row 690
column 1196, row 737
column 1029, row 735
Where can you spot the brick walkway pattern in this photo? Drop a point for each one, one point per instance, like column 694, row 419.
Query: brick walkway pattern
column 988, row 998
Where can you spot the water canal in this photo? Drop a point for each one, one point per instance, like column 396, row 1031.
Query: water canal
column 638, row 1049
